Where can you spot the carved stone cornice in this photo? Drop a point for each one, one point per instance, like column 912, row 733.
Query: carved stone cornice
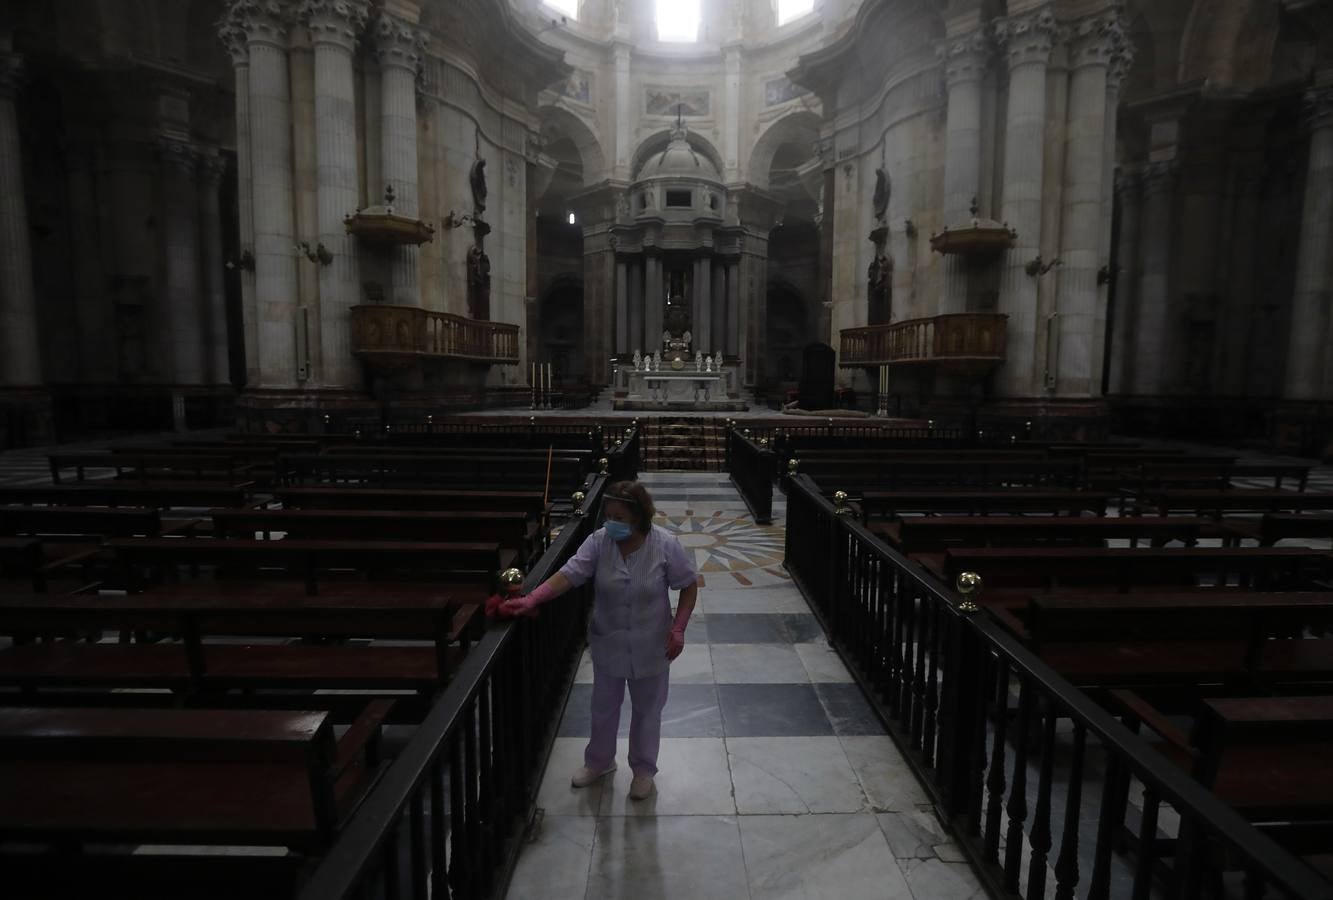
column 1158, row 177
column 178, row 156
column 211, row 167
column 233, row 38
column 1029, row 38
column 1119, row 64
column 263, row 21
column 1129, row 183
column 965, row 58
column 337, row 22
column 1094, row 41
column 1317, row 107
column 399, row 43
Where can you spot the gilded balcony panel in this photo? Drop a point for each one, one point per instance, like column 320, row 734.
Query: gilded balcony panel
column 961, row 343
column 396, row 337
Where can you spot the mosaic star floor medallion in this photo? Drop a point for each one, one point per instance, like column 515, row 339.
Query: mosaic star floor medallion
column 727, row 547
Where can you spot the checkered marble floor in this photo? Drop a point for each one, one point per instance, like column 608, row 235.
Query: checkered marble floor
column 777, row 779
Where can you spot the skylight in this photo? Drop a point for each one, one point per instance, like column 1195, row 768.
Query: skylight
column 793, row 9
column 678, row 20
column 567, row 8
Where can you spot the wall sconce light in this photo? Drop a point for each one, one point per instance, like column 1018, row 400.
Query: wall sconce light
column 909, row 228
column 454, row 220
column 245, row 261
column 319, row 254
column 1036, row 267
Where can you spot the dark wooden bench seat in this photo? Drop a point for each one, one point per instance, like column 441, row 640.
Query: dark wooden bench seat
column 1123, row 568
column 377, row 469
column 465, row 500
column 934, row 533
column 149, row 466
column 514, row 530
column 879, row 504
column 1220, row 502
column 1275, row 527
column 236, row 777
column 865, row 476
column 156, row 494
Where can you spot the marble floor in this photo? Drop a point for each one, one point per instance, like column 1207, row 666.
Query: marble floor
column 777, row 780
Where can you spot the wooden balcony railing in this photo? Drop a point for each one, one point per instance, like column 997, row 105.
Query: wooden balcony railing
column 396, row 336
column 963, row 341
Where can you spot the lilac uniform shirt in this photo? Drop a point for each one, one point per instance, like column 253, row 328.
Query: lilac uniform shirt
column 631, row 614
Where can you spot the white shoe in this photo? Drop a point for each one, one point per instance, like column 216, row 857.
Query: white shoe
column 585, row 776
column 642, row 787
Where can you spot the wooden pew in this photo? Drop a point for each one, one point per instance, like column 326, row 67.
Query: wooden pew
column 1220, row 502
column 22, row 562
column 1050, row 568
column 198, row 663
column 347, row 498
column 182, row 776
column 879, row 504
column 514, row 530
column 903, row 474
column 79, row 521
column 1278, row 526
column 152, row 466
column 1098, row 640
column 157, row 494
column 143, row 560
column 935, row 533
column 1266, row 757
column 404, row 469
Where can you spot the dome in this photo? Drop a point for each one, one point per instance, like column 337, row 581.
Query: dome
column 679, row 160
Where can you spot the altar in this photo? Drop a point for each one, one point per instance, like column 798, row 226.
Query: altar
column 676, row 389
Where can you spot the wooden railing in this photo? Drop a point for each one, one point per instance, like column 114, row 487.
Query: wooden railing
column 395, row 334
column 966, row 339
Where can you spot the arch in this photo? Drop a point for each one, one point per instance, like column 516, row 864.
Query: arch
column 657, row 141
column 559, row 122
column 800, row 128
column 1208, row 43
column 561, row 330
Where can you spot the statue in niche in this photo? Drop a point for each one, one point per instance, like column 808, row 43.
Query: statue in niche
column 478, row 180
column 883, row 190
column 478, row 283
column 879, row 287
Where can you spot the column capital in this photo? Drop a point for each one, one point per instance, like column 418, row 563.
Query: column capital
column 1028, row 38
column 336, row 22
column 261, row 21
column 398, row 42
column 965, row 57
column 1094, row 41
column 1159, row 176
column 178, row 156
column 1317, row 107
column 1118, row 66
column 212, row 166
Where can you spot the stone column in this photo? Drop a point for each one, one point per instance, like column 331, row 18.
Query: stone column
column 731, row 133
column 635, row 300
column 753, row 313
column 625, row 118
column 266, row 26
column 1153, row 300
column 1307, row 346
column 965, row 59
column 1128, row 187
column 652, row 304
column 717, row 325
column 95, row 314
column 1122, row 56
column 180, row 331
column 703, row 306
column 399, row 46
column 1093, row 42
column 233, row 36
column 733, row 341
column 217, row 361
column 334, row 26
column 1028, row 40
column 622, row 308
column 20, row 353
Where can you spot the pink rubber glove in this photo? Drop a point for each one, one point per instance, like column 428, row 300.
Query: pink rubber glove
column 676, row 639
column 528, row 603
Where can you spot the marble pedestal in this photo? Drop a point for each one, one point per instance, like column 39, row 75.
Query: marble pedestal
column 683, row 389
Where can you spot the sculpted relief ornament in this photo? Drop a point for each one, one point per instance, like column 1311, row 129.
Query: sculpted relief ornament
column 1028, row 38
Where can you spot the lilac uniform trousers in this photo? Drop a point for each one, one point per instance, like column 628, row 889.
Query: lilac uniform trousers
column 627, row 635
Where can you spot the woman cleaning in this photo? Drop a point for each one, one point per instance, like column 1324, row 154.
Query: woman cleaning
column 632, row 636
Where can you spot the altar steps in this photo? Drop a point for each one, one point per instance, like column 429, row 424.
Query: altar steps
column 684, row 444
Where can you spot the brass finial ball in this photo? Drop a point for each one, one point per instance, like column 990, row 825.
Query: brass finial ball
column 746, row 432
column 840, row 498
column 968, row 583
column 763, row 442
column 792, row 465
column 578, row 497
column 511, row 580
column 605, row 465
